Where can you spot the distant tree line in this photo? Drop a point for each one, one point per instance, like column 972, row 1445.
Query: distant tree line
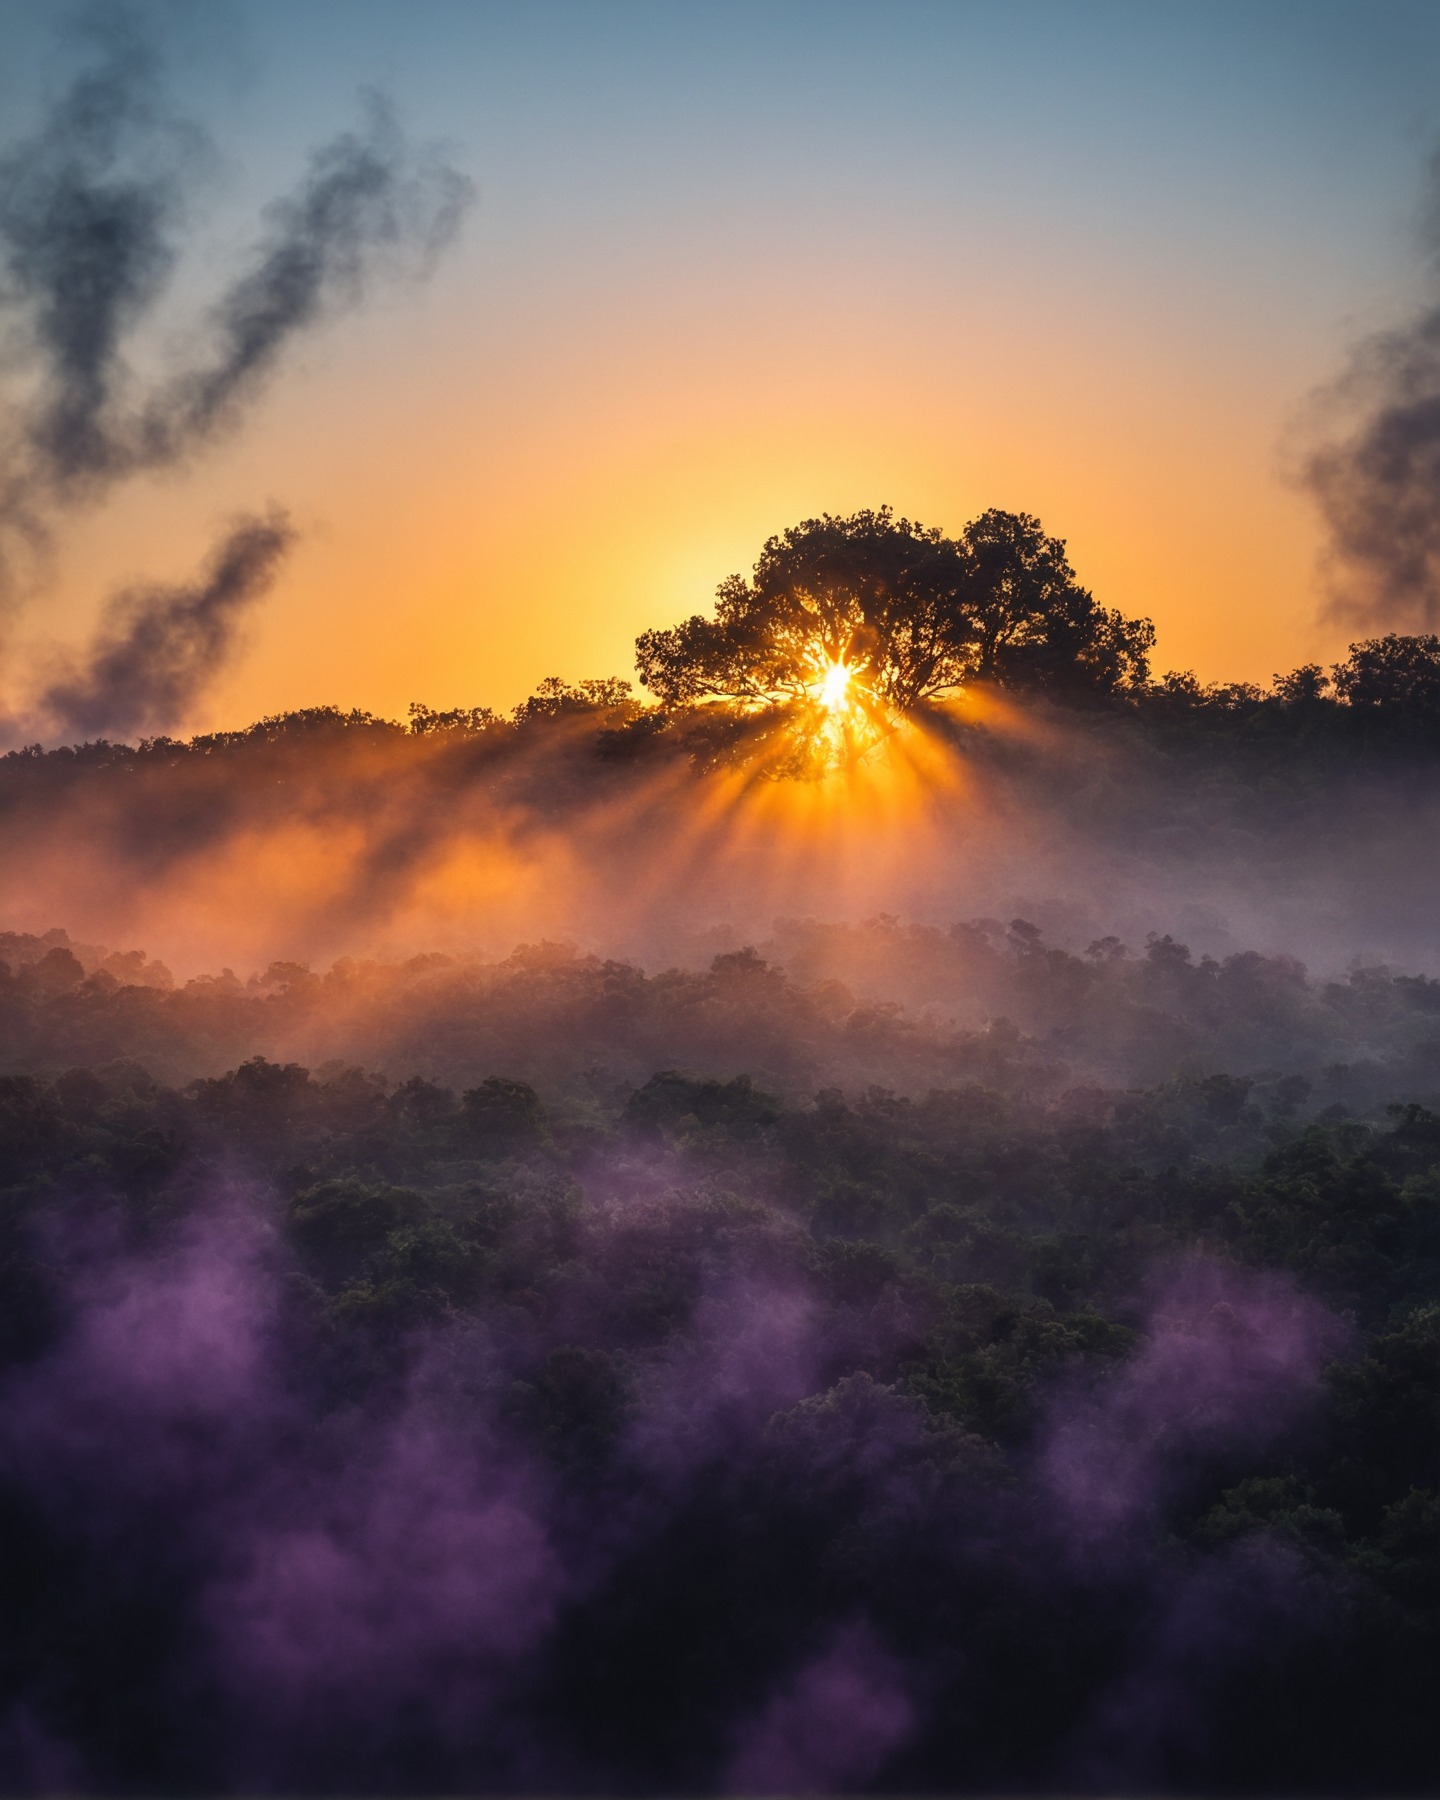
column 1385, row 694
column 917, row 617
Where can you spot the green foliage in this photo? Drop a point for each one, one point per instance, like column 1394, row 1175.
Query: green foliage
column 339, row 1225
column 501, row 1116
column 959, row 1260
column 683, row 1105
column 575, row 1405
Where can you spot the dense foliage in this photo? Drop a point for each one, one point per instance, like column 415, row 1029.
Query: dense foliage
column 537, row 1415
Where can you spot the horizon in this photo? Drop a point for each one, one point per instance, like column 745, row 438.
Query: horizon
column 822, row 1174
column 726, row 274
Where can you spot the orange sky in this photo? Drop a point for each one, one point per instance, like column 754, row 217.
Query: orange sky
column 466, row 533
column 662, row 340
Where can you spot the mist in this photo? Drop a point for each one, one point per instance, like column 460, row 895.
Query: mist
column 603, row 1250
column 325, row 834
column 639, row 1313
column 611, row 1425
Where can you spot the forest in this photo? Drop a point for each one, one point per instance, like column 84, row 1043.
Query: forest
column 858, row 1215
column 893, row 1355
column 869, row 1221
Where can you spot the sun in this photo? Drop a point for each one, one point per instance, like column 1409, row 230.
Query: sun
column 832, row 720
column 833, row 690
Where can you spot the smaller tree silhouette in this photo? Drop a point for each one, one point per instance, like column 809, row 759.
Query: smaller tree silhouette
column 1399, row 672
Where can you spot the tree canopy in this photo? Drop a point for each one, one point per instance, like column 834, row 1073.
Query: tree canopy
column 1035, row 1377
column 910, row 613
column 1395, row 671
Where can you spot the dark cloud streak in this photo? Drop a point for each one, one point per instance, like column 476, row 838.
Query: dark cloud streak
column 1377, row 482
column 366, row 194
column 160, row 647
column 88, row 212
column 91, row 214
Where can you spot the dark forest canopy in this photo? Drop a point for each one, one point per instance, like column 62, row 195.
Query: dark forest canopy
column 889, row 1356
column 714, row 1383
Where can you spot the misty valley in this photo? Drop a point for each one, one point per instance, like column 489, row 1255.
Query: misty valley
column 853, row 1207
column 831, row 1355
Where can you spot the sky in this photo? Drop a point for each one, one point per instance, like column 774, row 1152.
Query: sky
column 732, row 265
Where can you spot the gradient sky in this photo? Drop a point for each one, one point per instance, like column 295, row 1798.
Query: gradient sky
column 734, row 264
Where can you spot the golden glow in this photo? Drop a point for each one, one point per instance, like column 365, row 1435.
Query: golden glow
column 668, row 469
column 833, row 692
column 834, row 721
column 890, row 805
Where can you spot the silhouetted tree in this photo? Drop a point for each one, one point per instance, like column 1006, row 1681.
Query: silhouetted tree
column 555, row 697
column 1302, row 686
column 1032, row 624
column 915, row 614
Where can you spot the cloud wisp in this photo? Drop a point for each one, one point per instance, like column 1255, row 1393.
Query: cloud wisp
column 93, row 208
column 1377, row 481
column 159, row 648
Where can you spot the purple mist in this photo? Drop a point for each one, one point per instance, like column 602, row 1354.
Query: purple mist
column 1231, row 1358
column 830, row 1727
